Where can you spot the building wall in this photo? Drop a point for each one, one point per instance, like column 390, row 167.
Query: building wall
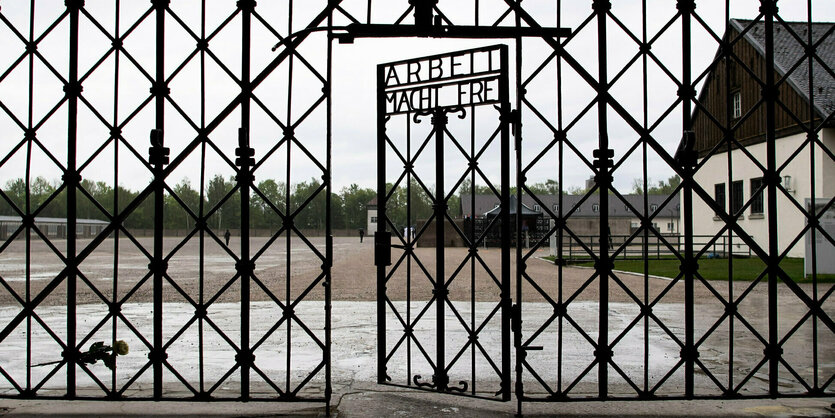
column 371, row 221
column 729, row 77
column 791, row 220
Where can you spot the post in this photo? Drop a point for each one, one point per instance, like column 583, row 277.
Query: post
column 602, row 162
column 71, row 179
column 441, row 380
column 245, row 160
column 158, row 156
column 381, row 225
column 504, row 98
column 773, row 351
column 687, row 93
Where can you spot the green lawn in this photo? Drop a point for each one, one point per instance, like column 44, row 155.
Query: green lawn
column 717, row 269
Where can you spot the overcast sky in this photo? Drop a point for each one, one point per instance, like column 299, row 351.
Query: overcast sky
column 354, row 84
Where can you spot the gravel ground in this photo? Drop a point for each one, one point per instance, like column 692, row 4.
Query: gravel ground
column 354, row 274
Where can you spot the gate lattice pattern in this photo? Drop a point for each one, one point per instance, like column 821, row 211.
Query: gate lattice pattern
column 60, row 128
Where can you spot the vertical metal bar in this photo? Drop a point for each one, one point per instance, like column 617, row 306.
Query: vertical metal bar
column 769, row 9
column 506, row 301
column 202, row 209
column 812, row 135
column 686, row 8
column 115, row 138
column 71, row 179
column 157, row 264
column 439, row 120
column 601, row 7
column 468, row 227
column 644, row 146
column 244, row 182
column 289, row 242
column 728, row 124
column 559, row 212
column 409, row 259
column 520, row 262
column 28, row 203
column 381, row 225
column 328, row 222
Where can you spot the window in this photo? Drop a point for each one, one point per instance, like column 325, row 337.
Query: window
column 756, row 196
column 374, row 219
column 670, row 226
column 736, row 196
column 719, row 196
column 556, row 208
column 536, row 208
column 653, row 207
column 627, row 208
column 737, row 103
column 595, row 208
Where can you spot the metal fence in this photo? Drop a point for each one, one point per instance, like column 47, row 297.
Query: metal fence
column 567, row 91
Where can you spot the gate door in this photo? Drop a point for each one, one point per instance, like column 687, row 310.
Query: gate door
column 443, row 288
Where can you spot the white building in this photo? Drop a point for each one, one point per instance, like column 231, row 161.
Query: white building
column 733, row 176
column 371, row 213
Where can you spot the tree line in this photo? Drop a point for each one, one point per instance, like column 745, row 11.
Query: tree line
column 348, row 206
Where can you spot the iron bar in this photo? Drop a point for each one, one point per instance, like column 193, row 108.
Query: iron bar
column 440, row 379
column 516, row 312
column 328, row 265
column 245, row 178
column 356, row 30
column 71, row 180
column 772, row 178
column 603, row 181
column 382, row 374
column 506, row 298
column 687, row 93
column 156, row 159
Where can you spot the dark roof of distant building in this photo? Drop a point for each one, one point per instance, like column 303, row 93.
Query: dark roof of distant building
column 526, row 211
column 372, row 203
column 789, row 52
column 617, row 209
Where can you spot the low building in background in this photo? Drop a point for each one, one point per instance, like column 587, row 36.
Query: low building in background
column 52, row 227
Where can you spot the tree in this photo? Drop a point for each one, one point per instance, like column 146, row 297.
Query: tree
column 263, row 215
column 355, row 200
column 312, row 215
column 215, row 192
column 663, row 187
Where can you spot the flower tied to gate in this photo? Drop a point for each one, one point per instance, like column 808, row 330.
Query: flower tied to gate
column 99, row 351
column 121, row 348
column 105, row 353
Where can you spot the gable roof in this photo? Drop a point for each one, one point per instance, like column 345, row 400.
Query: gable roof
column 788, row 53
column 487, row 202
column 526, row 211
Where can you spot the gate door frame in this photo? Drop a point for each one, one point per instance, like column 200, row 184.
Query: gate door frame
column 404, row 97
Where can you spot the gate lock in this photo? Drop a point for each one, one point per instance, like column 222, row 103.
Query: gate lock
column 382, row 248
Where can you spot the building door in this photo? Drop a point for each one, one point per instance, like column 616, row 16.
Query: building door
column 443, row 298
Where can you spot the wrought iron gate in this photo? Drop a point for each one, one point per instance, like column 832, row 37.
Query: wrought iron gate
column 410, row 286
column 61, row 127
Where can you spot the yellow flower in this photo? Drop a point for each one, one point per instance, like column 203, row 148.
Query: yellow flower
column 121, row 348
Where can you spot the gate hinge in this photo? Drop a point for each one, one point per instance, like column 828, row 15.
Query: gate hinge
column 516, row 318
column 512, row 117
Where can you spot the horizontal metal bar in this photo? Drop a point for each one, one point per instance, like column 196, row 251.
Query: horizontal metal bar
column 360, row 30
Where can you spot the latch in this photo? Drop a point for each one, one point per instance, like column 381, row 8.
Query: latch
column 382, row 248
